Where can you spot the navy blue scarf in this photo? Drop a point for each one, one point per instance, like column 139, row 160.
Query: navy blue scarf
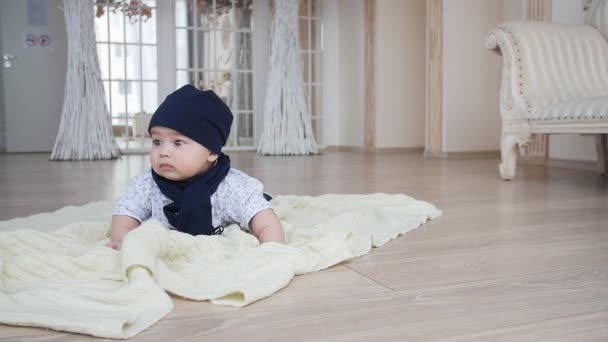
column 190, row 211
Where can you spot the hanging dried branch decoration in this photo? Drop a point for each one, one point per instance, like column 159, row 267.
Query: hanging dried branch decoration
column 287, row 121
column 133, row 9
column 85, row 132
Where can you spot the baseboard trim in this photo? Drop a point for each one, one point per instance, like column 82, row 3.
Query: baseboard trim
column 402, row 150
column 587, row 165
column 532, row 161
column 338, row 148
column 470, row 155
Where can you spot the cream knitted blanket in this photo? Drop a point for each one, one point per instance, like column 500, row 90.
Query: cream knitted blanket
column 58, row 275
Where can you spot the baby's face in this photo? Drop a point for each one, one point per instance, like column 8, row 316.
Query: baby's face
column 177, row 157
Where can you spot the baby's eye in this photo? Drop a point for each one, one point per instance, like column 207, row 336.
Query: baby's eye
column 156, row 142
column 179, row 142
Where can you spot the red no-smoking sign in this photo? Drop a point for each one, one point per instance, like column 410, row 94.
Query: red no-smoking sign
column 44, row 40
column 31, row 40
column 37, row 40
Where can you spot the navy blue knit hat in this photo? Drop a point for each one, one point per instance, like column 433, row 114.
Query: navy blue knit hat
column 200, row 115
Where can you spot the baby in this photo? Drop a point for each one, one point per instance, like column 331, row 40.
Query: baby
column 191, row 186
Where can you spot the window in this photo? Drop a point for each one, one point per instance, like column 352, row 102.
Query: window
column 214, row 51
column 207, row 43
column 127, row 51
column 311, row 47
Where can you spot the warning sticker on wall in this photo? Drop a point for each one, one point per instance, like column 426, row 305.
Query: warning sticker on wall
column 39, row 40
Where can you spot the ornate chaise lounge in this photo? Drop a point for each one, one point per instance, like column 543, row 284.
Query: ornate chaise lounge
column 554, row 80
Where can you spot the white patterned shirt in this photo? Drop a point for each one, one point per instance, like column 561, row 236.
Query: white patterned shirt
column 237, row 199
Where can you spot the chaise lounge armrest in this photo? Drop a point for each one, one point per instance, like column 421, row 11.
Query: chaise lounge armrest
column 554, row 80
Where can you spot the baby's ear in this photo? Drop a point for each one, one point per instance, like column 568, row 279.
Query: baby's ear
column 213, row 157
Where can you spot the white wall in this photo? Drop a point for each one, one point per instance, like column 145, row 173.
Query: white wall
column 400, row 62
column 567, row 11
column 570, row 146
column 515, row 9
column 330, row 65
column 351, row 100
column 400, row 72
column 471, row 76
column 343, row 72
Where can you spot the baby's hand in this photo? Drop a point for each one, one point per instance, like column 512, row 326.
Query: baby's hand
column 116, row 244
column 121, row 225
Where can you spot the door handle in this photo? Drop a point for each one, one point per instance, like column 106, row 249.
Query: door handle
column 7, row 60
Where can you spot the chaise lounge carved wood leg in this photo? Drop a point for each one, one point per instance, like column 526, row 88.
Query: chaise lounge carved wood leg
column 601, row 147
column 508, row 154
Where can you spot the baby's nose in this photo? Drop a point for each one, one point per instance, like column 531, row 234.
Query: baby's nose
column 164, row 151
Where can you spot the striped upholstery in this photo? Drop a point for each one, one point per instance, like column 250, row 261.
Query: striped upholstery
column 554, row 80
column 590, row 109
column 597, row 16
column 558, row 62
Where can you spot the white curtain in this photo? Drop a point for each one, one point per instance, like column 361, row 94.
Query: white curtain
column 287, row 121
column 85, row 132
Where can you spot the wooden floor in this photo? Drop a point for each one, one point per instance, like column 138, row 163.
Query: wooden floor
column 522, row 260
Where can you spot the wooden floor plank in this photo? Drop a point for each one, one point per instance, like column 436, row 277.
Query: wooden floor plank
column 478, row 265
column 519, row 260
column 586, row 327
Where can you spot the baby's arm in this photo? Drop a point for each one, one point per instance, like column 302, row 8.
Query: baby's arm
column 121, row 225
column 132, row 208
column 267, row 227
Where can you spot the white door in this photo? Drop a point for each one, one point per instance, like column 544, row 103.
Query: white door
column 33, row 32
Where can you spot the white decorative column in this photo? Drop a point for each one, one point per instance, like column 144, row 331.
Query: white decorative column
column 369, row 139
column 434, row 72
column 287, row 121
column 85, row 132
